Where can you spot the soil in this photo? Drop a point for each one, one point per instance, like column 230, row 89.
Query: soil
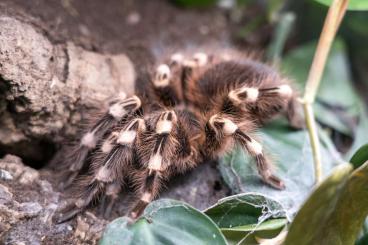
column 114, row 26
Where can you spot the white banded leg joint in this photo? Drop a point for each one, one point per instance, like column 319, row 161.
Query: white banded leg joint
column 199, row 59
column 109, row 143
column 284, row 91
column 166, row 122
column 129, row 133
column 119, row 109
column 155, row 162
column 243, row 95
column 162, row 76
column 253, row 146
column 255, row 149
column 223, row 124
column 104, row 175
column 163, row 129
column 177, row 58
column 89, row 140
column 146, row 197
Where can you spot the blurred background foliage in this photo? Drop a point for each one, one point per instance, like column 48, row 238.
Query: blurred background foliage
column 288, row 32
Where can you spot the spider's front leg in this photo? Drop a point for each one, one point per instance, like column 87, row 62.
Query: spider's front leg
column 112, row 163
column 157, row 155
column 218, row 131
column 118, row 109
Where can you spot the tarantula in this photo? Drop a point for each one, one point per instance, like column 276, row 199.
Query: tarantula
column 183, row 112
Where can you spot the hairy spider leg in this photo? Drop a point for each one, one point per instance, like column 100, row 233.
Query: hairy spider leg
column 220, row 128
column 150, row 182
column 108, row 169
column 116, row 112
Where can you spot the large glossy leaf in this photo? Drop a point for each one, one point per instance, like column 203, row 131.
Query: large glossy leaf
column 291, row 153
column 244, row 216
column 363, row 240
column 335, row 212
column 164, row 222
column 360, row 156
column 353, row 4
column 245, row 209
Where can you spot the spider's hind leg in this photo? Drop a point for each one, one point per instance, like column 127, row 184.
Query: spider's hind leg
column 280, row 98
column 172, row 79
column 221, row 128
column 165, row 85
column 265, row 101
column 77, row 157
column 263, row 165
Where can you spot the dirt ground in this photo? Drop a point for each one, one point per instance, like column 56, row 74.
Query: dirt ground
column 115, row 26
column 107, row 27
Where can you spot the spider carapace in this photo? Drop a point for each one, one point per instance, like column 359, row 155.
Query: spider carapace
column 184, row 111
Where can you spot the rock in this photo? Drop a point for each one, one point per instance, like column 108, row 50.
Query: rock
column 44, row 86
column 14, row 166
column 5, row 195
column 27, row 205
column 82, row 228
column 5, row 175
column 8, row 217
column 4, row 227
column 89, row 228
column 48, row 213
column 30, row 209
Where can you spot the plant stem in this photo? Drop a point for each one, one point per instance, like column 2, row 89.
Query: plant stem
column 314, row 140
column 333, row 20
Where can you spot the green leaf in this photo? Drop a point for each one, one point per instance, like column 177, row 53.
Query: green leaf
column 164, row 222
column 244, row 209
column 243, row 216
column 293, row 163
column 273, row 224
column 363, row 240
column 360, row 157
column 239, row 237
column 353, row 4
column 335, row 212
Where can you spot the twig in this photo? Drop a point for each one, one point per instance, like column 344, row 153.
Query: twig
column 333, row 20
